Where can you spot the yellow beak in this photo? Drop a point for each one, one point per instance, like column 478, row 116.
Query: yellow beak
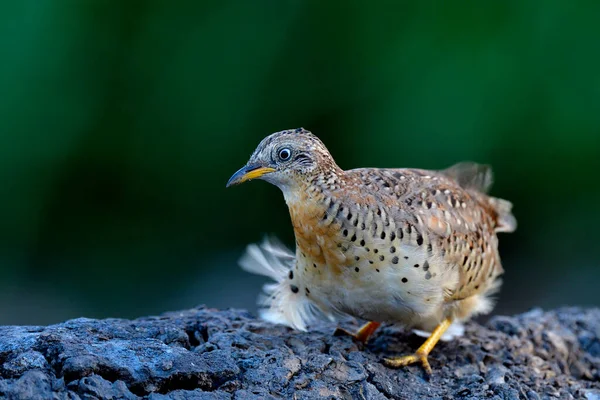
column 247, row 173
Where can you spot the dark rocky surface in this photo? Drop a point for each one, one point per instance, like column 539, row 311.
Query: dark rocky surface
column 211, row 354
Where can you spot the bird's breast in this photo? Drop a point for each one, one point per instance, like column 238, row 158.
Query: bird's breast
column 317, row 241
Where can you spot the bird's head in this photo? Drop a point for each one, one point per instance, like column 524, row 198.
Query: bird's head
column 288, row 159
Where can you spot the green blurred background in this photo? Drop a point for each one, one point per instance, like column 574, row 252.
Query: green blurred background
column 121, row 121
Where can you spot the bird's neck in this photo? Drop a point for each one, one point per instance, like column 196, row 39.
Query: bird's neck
column 303, row 195
column 315, row 190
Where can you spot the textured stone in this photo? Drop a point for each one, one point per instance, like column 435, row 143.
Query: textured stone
column 210, row 354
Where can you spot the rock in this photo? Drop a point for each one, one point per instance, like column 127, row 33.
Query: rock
column 210, row 354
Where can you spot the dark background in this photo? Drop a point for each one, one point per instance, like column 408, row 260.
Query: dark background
column 121, row 121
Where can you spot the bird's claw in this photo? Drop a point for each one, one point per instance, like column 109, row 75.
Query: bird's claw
column 396, row 362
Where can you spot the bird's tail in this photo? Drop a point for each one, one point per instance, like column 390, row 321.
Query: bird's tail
column 505, row 220
column 281, row 302
column 478, row 177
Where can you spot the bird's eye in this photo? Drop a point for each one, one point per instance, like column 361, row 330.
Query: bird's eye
column 284, row 154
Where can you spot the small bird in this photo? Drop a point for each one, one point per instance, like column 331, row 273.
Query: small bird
column 407, row 246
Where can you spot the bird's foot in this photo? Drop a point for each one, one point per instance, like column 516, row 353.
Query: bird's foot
column 362, row 335
column 422, row 352
column 397, row 362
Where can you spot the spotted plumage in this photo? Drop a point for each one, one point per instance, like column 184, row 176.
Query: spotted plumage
column 406, row 246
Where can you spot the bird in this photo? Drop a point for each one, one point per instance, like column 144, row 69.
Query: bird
column 405, row 246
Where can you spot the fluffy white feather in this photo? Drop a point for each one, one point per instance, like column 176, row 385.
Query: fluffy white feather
column 278, row 303
column 456, row 330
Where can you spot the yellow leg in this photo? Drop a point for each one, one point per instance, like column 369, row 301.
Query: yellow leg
column 363, row 334
column 423, row 351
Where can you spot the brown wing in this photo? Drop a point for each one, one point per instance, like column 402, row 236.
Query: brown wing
column 450, row 209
